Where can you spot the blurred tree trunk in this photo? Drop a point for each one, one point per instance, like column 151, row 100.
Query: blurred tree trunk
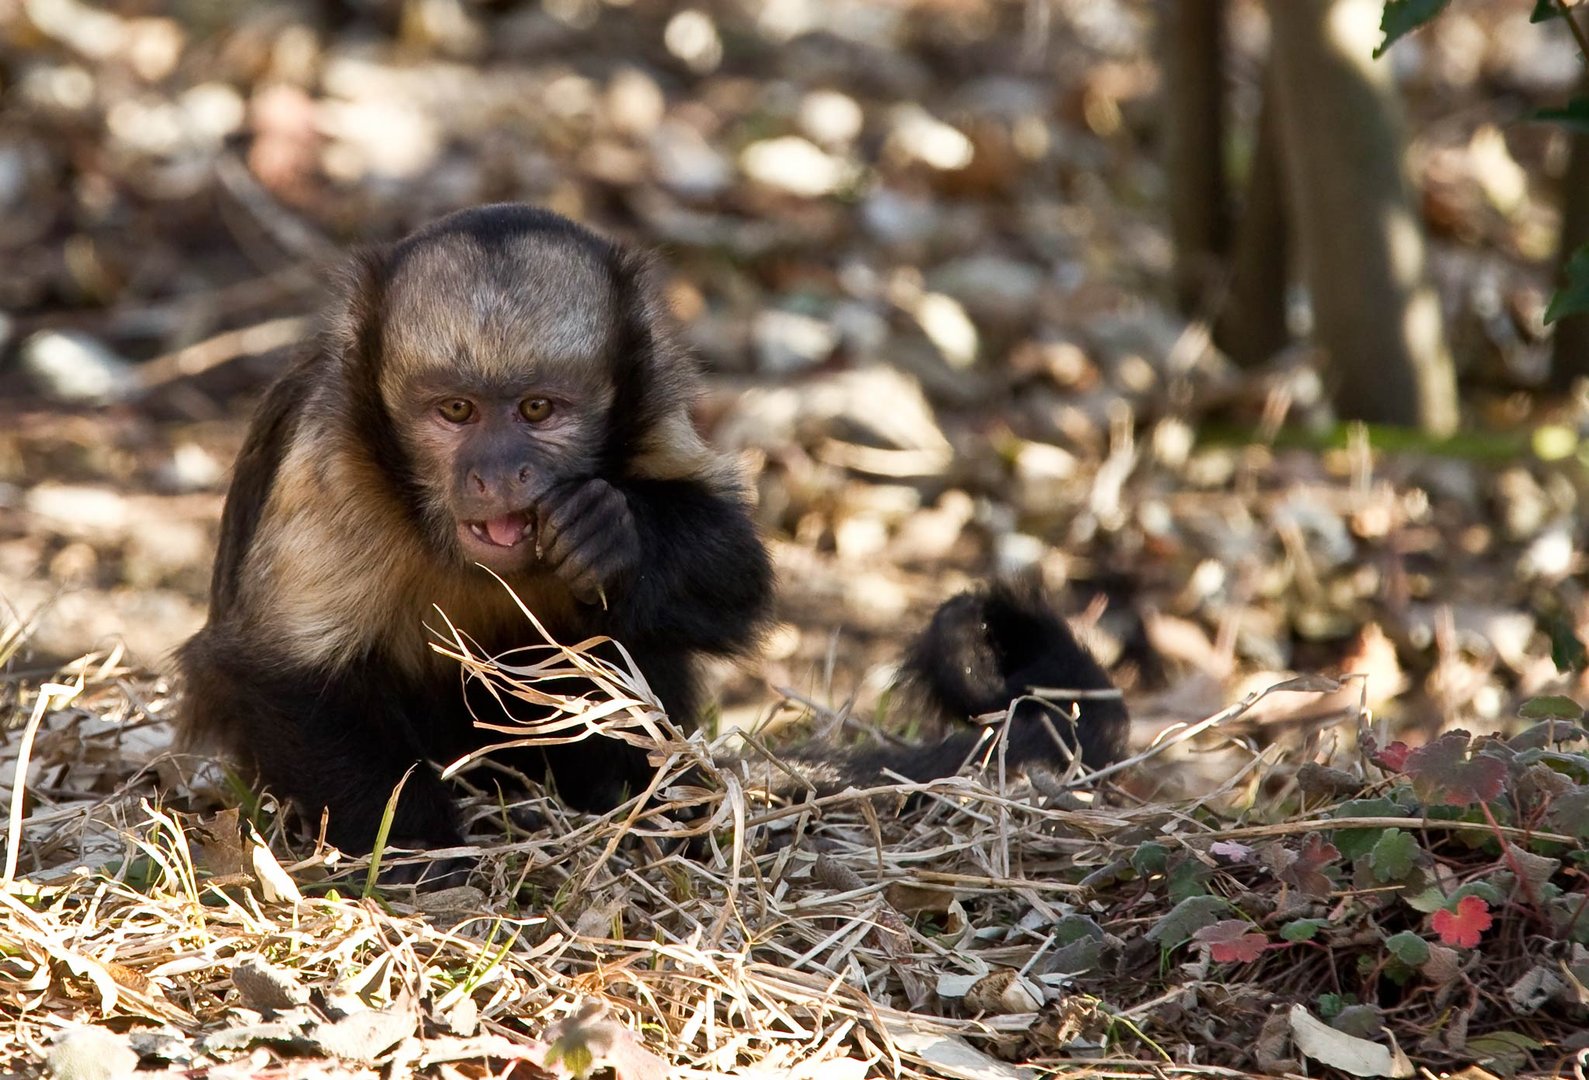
column 1351, row 211
column 1252, row 324
column 1570, row 356
column 1191, row 40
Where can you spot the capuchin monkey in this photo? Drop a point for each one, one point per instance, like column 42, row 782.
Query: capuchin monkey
column 503, row 390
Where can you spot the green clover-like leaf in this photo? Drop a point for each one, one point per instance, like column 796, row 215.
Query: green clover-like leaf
column 1408, row 947
column 1394, row 856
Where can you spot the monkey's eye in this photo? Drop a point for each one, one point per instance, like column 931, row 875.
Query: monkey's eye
column 456, row 410
column 535, row 409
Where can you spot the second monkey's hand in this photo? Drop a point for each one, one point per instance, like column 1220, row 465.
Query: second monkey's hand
column 586, row 535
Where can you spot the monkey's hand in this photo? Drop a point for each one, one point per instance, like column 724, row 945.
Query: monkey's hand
column 586, row 535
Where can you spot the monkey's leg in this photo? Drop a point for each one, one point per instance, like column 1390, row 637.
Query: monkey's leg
column 336, row 743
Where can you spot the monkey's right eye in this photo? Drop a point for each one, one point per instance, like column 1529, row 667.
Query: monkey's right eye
column 456, row 410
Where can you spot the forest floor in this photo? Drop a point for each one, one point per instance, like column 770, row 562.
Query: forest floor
column 917, row 248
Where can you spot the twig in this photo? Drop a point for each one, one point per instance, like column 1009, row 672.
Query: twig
column 1293, row 828
column 289, row 230
column 51, row 695
column 1315, row 684
column 214, row 351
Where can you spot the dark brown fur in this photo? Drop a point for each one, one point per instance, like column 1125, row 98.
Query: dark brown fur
column 360, row 495
column 983, row 650
column 337, row 538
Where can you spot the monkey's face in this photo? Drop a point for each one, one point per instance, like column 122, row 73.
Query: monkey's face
column 486, row 458
column 495, row 372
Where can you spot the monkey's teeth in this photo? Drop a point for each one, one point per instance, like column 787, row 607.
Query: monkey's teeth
column 506, row 531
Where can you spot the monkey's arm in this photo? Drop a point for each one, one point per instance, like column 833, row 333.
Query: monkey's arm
column 677, row 563
column 703, row 579
column 987, row 648
column 983, row 650
column 252, row 476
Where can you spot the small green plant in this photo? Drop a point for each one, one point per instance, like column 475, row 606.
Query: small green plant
column 382, row 834
column 1461, row 866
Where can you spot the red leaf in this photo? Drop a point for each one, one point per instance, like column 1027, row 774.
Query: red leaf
column 1393, row 758
column 1232, row 941
column 1317, row 852
column 1305, row 868
column 1442, row 771
column 1462, row 927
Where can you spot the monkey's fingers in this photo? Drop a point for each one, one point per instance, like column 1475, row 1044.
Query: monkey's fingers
column 588, row 570
column 591, row 536
column 576, row 500
column 593, row 505
column 602, row 525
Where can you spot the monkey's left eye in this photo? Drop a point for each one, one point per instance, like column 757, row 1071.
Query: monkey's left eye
column 535, row 409
column 456, row 410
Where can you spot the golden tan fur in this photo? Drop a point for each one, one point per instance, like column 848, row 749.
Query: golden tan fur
column 479, row 325
column 674, row 450
column 337, row 568
column 332, row 576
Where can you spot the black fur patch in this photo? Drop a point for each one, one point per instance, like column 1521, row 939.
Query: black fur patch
column 983, row 649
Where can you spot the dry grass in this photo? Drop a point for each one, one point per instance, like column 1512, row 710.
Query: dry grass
column 700, row 929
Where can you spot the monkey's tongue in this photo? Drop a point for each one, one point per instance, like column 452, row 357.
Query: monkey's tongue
column 503, row 531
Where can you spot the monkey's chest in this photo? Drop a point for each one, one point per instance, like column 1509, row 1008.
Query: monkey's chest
column 491, row 624
column 497, row 694
column 493, row 616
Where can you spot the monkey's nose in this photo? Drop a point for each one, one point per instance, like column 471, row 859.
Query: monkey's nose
column 506, row 484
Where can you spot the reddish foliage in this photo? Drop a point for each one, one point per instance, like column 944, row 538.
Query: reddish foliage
column 1306, row 871
column 1442, row 771
column 1392, row 758
column 1461, row 928
column 1232, row 941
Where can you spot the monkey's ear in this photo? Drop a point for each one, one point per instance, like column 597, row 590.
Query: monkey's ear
column 644, row 280
column 354, row 319
column 656, row 383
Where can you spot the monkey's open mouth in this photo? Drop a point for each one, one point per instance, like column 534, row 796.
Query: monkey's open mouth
column 506, row 531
